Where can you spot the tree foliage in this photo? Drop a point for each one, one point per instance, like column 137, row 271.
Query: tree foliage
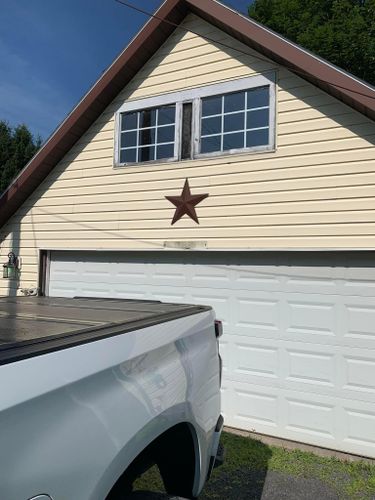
column 341, row 31
column 17, row 147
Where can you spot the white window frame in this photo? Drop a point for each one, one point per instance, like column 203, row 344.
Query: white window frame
column 195, row 96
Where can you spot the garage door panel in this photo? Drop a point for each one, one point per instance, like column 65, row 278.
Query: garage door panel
column 258, row 278
column 307, row 417
column 221, row 304
column 113, row 275
column 309, row 318
column 191, row 275
column 333, row 372
column 131, row 294
column 136, row 274
column 227, row 403
column 210, row 276
column 358, row 378
column 312, row 279
column 257, row 312
column 93, row 291
column 255, row 409
column 308, row 368
column 253, row 360
column 358, row 288
column 339, row 287
column 169, row 275
column 325, row 320
column 359, row 427
column 288, row 365
column 359, row 321
column 320, row 420
column 170, row 297
column 299, row 331
column 62, row 289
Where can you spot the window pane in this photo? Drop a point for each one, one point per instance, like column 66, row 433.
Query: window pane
column 234, row 102
column 258, row 97
column 211, row 106
column 186, row 132
column 259, row 118
column 128, row 156
column 211, row 144
column 167, row 115
column 165, row 151
column 234, row 141
column 147, row 118
column 257, row 138
column 234, row 122
column 165, row 134
column 147, row 136
column 129, row 121
column 142, row 125
column 146, row 154
column 211, row 125
column 128, row 139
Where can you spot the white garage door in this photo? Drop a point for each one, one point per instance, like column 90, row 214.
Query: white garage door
column 299, row 343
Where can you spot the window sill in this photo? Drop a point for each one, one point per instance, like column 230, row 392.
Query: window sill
column 202, row 157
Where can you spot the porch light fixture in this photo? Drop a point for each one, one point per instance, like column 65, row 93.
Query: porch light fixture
column 11, row 268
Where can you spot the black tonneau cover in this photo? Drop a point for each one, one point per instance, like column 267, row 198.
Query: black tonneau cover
column 35, row 325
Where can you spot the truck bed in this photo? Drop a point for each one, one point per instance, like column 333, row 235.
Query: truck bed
column 30, row 326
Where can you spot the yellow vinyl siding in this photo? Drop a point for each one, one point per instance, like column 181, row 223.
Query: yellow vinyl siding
column 317, row 190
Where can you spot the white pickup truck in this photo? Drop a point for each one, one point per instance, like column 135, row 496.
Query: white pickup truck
column 95, row 391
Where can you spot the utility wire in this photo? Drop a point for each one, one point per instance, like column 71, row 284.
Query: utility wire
column 294, row 70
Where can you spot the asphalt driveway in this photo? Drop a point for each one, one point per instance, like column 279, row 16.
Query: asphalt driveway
column 252, row 484
column 256, row 471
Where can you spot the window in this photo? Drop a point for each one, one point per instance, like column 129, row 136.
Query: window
column 231, row 117
column 234, row 121
column 148, row 135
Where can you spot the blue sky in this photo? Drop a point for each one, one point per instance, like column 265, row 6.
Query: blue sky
column 52, row 51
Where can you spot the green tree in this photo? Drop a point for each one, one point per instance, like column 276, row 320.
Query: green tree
column 341, row 31
column 17, row 147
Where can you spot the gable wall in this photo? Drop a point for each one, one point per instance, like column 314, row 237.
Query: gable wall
column 316, row 191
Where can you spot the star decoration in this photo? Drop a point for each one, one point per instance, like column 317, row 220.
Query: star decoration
column 186, row 203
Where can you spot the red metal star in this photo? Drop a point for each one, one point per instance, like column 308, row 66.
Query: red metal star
column 186, row 203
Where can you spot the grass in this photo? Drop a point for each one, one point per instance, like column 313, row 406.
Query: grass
column 248, row 461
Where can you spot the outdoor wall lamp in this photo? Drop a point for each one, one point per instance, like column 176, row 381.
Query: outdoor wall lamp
column 11, row 268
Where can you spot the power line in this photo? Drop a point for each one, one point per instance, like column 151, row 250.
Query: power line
column 294, row 70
